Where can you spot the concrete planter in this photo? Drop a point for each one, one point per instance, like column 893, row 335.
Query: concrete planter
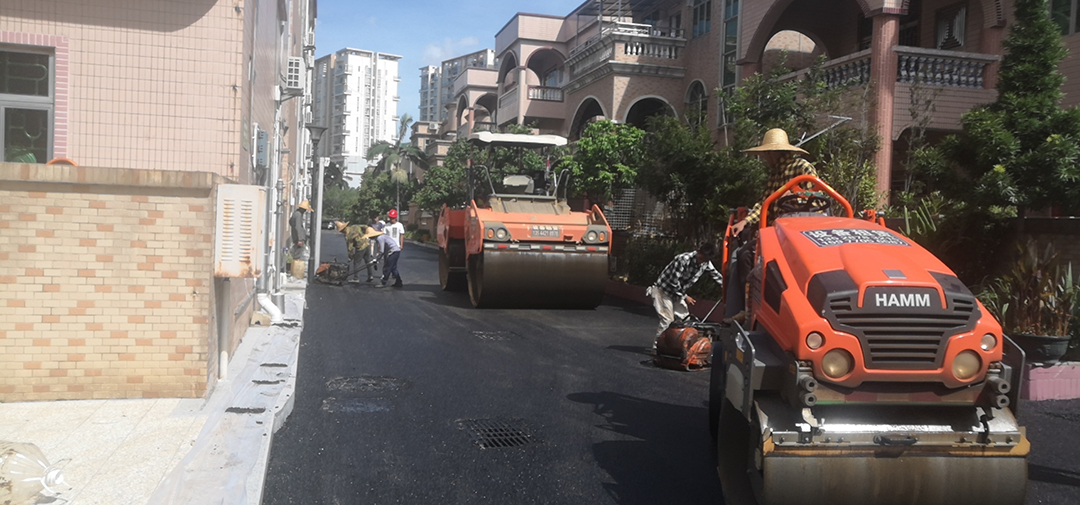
column 1058, row 382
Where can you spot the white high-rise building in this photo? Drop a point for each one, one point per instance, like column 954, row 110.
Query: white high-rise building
column 356, row 97
column 430, row 84
column 437, row 83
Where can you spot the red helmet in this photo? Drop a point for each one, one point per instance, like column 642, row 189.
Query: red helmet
column 392, row 214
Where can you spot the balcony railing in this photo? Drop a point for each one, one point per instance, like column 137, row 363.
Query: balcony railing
column 509, row 96
column 640, row 30
column 942, row 68
column 545, row 94
column 931, row 67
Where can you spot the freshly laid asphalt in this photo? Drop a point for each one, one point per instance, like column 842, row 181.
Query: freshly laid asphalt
column 391, row 380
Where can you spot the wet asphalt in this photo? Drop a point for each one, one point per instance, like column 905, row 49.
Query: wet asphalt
column 395, row 387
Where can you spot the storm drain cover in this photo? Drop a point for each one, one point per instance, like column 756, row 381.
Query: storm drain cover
column 367, row 384
column 498, row 433
column 355, row 405
column 494, row 335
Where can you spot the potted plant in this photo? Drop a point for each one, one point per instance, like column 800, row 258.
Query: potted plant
column 1035, row 301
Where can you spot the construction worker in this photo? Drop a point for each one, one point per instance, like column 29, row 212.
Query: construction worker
column 391, row 251
column 669, row 291
column 784, row 165
column 395, row 230
column 298, row 230
column 357, row 241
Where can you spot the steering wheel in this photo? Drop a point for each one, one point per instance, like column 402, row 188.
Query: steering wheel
column 803, row 201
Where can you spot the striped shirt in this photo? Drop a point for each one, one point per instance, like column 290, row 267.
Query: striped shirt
column 683, row 272
column 787, row 169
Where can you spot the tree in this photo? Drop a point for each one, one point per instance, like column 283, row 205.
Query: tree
column 337, row 201
column 389, row 157
column 445, row 184
column 377, row 195
column 334, row 176
column 605, row 160
column 1021, row 150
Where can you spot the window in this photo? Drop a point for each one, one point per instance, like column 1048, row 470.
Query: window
column 26, row 106
column 697, row 103
column 702, row 15
column 949, row 33
column 730, row 45
column 1063, row 14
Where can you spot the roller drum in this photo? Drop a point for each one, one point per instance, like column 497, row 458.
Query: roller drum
column 452, row 276
column 924, row 479
column 534, row 279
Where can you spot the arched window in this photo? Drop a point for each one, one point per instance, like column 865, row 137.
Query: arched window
column 697, row 103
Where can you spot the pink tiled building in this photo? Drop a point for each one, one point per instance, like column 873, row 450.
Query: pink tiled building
column 145, row 110
column 636, row 58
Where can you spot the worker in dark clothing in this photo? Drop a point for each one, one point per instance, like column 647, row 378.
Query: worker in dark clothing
column 298, row 230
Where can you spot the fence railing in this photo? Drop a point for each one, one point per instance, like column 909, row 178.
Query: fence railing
column 545, row 93
column 942, row 68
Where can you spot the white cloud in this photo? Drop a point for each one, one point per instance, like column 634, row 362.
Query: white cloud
column 435, row 54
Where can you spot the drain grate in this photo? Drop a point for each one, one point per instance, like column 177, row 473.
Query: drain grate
column 494, row 335
column 498, row 433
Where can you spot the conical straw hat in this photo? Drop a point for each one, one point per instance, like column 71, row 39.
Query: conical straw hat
column 341, row 225
column 371, row 233
column 775, row 140
column 305, row 205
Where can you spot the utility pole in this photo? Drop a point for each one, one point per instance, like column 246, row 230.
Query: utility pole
column 316, row 196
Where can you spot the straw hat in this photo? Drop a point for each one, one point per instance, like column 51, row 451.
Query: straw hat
column 341, row 225
column 371, row 233
column 775, row 139
column 305, row 205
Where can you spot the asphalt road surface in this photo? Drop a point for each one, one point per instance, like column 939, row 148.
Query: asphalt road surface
column 396, row 387
column 399, row 389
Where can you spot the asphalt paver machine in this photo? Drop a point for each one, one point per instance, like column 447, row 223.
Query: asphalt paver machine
column 523, row 246
column 864, row 372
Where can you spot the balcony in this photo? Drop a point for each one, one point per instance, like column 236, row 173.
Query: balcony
column 545, row 94
column 953, row 80
column 510, row 96
column 626, row 49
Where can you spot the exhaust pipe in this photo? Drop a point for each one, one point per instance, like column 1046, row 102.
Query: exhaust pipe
column 275, row 313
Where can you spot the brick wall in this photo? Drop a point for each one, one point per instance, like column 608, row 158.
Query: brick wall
column 106, row 287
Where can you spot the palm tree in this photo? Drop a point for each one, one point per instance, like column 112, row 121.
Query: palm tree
column 391, row 155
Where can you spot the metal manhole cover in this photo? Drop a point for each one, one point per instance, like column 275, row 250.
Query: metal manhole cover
column 367, row 384
column 355, row 405
column 494, row 335
column 498, row 433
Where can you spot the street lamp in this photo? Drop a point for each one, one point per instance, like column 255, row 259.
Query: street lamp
column 315, row 238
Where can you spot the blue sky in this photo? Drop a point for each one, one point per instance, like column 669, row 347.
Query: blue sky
column 422, row 32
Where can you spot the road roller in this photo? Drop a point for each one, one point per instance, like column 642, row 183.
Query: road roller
column 862, row 371
column 522, row 246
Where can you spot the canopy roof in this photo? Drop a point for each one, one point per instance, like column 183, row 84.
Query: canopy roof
column 516, row 140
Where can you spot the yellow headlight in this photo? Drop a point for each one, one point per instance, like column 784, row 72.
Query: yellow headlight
column 837, row 363
column 501, row 234
column 966, row 365
column 490, row 233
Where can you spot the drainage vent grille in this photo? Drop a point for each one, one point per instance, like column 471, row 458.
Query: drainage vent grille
column 494, row 335
column 498, row 433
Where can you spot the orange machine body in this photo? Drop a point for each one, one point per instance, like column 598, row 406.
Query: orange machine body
column 566, row 231
column 898, row 310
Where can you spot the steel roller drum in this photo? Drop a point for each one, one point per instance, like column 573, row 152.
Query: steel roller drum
column 534, row 279
column 918, row 479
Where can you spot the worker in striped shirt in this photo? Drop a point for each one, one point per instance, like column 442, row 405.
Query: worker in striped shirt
column 669, row 291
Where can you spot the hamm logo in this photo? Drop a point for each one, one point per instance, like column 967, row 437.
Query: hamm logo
column 901, row 300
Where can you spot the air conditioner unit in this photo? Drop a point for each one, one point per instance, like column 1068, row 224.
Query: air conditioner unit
column 294, row 76
column 238, row 233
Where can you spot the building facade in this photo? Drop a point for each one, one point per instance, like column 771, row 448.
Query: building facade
column 429, row 94
column 632, row 59
column 356, row 97
column 122, row 124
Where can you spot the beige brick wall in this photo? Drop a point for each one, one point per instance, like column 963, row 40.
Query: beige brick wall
column 106, row 286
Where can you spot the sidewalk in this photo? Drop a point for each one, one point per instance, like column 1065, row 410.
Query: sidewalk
column 174, row 451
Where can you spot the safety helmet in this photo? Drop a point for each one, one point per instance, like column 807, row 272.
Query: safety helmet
column 392, row 213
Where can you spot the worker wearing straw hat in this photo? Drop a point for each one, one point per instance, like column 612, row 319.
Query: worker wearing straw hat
column 298, row 229
column 357, row 239
column 784, row 165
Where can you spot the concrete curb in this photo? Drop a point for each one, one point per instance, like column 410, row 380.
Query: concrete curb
column 426, row 245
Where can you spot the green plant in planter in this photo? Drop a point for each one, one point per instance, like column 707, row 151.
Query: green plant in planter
column 1035, row 300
